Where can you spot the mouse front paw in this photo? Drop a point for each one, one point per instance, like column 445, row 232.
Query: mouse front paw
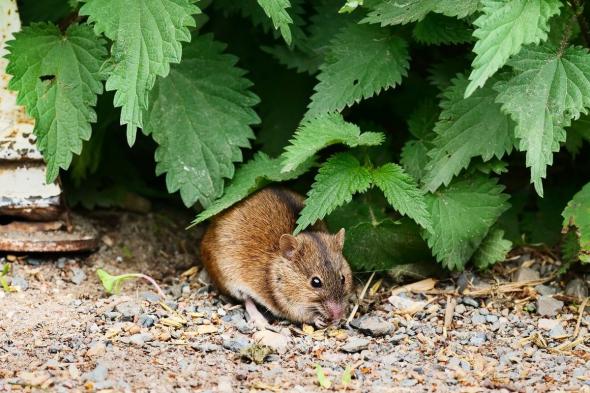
column 320, row 322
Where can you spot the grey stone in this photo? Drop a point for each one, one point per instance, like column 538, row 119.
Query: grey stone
column 20, row 282
column 548, row 306
column 374, row 326
column 469, row 301
column 557, row 331
column 477, row 319
column 355, row 344
column 276, row 341
column 545, row 290
column 128, row 310
column 112, row 315
column 478, row 339
column 547, row 324
column 577, row 287
column 491, row 318
column 398, row 337
column 205, row 347
column 99, row 373
column 78, row 276
column 525, row 274
column 140, row 339
column 147, row 320
column 150, row 297
column 460, row 309
column 236, row 344
column 408, row 382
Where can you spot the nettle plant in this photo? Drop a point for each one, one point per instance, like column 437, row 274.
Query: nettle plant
column 460, row 103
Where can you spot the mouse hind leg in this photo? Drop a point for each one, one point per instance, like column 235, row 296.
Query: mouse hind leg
column 255, row 315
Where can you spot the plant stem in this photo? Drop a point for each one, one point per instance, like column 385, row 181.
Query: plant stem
column 153, row 282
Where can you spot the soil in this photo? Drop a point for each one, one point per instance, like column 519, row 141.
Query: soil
column 62, row 332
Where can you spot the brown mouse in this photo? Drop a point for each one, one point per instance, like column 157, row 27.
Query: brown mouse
column 251, row 255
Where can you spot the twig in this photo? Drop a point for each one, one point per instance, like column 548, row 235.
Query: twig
column 449, row 312
column 360, row 299
column 580, row 313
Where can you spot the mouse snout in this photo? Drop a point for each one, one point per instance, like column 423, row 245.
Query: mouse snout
column 335, row 310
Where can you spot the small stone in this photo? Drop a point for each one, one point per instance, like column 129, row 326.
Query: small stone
column 140, row 339
column 477, row 319
column 78, row 276
column 408, row 382
column 374, row 326
column 276, row 341
column 146, row 320
column 491, row 318
column 150, row 297
column 99, row 373
column 557, row 331
column 406, row 305
column 460, row 308
column 355, row 344
column 203, row 277
column 577, row 287
column 96, row 349
column 205, row 347
column 478, row 339
column 236, row 344
column 543, row 289
column 525, row 274
column 128, row 310
column 206, row 329
column 548, row 306
column 20, row 282
column 469, row 301
column 547, row 324
column 112, row 315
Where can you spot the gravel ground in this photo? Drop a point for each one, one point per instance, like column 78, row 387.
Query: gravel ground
column 61, row 332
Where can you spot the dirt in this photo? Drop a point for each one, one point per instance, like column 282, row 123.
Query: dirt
column 61, row 332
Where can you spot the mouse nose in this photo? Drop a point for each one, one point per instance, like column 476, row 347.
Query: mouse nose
column 335, row 310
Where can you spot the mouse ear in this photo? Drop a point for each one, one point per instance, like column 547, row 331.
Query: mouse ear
column 288, row 245
column 340, row 238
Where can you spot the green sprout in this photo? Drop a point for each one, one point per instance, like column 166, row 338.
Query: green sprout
column 3, row 273
column 112, row 284
column 321, row 376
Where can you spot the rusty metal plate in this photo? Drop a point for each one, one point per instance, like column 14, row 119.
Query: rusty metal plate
column 24, row 237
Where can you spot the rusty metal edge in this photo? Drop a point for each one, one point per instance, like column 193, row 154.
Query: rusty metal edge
column 48, row 246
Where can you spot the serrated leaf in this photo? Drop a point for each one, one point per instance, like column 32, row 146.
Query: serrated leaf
column 577, row 133
column 422, row 120
column 437, row 29
column 467, row 128
column 395, row 12
column 401, row 191
column 361, row 61
column 276, row 10
column 576, row 215
column 503, row 29
column 201, row 115
column 250, row 177
column 147, row 36
column 492, row 249
column 414, row 158
column 462, row 214
column 552, row 87
column 375, row 241
column 322, row 131
column 58, row 79
column 337, row 181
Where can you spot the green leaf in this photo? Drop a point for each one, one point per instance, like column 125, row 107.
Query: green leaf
column 552, row 87
column 276, row 10
column 492, row 249
column 147, row 36
column 437, row 29
column 422, row 120
column 323, row 381
column 401, row 191
column 576, row 216
column 462, row 214
column 112, row 284
column 201, row 115
column 467, row 128
column 322, row 131
column 414, row 158
column 347, row 374
column 251, row 176
column 361, row 61
column 58, row 79
column 375, row 241
column 577, row 133
column 337, row 181
column 503, row 29
column 395, row 12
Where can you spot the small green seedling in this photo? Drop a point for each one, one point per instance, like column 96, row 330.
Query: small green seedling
column 347, row 376
column 3, row 273
column 321, row 376
column 112, row 284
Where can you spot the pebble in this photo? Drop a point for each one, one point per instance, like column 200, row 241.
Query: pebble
column 99, row 373
column 146, row 320
column 525, row 274
column 557, row 331
column 547, row 324
column 545, row 290
column 548, row 306
column 491, row 318
column 128, row 310
column 236, row 344
column 460, row 309
column 150, row 297
column 477, row 319
column 205, row 347
column 78, row 276
column 478, row 339
column 96, row 349
column 577, row 287
column 374, row 326
column 355, row 344
column 140, row 339
column 469, row 301
column 276, row 341
column 20, row 282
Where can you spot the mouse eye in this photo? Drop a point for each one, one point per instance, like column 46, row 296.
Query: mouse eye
column 342, row 279
column 316, row 282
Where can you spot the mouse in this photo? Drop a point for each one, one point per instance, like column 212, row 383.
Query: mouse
column 251, row 255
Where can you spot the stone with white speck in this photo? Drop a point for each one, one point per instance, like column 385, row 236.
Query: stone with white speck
column 355, row 344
